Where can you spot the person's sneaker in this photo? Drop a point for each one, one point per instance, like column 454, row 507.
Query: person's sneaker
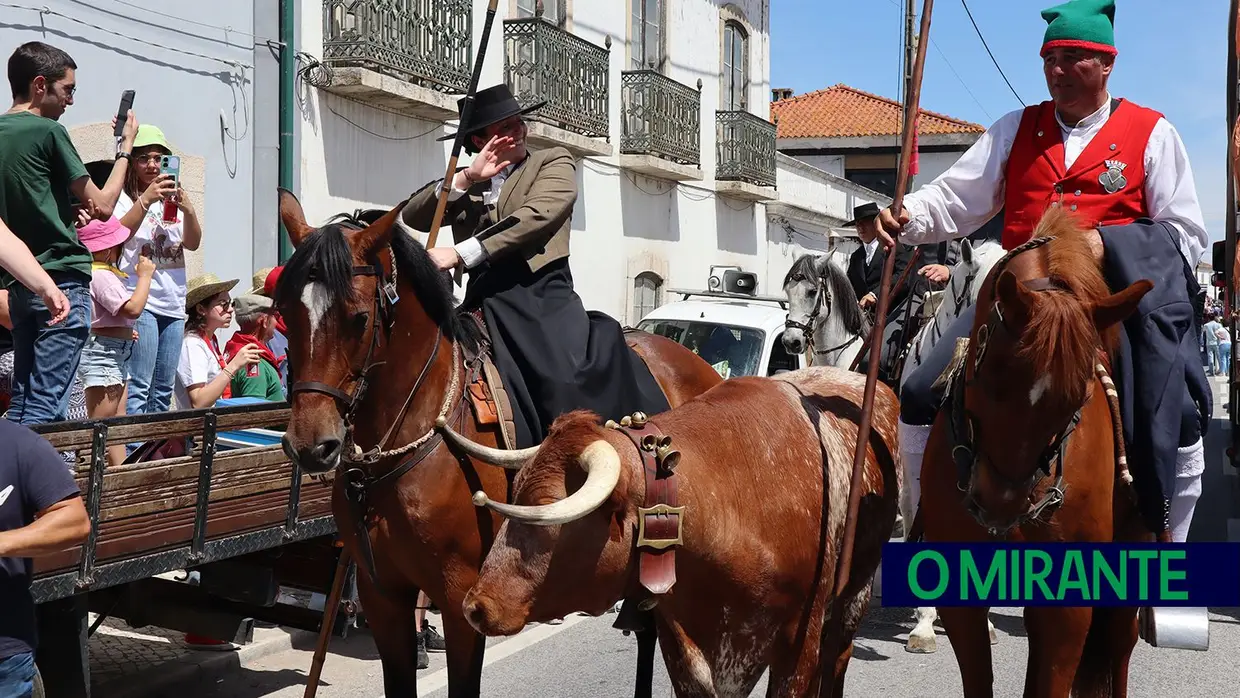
column 431, row 639
column 424, row 659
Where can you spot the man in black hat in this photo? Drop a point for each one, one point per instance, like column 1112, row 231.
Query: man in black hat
column 865, row 266
column 510, row 211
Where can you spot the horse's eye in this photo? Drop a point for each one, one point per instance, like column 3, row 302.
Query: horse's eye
column 359, row 323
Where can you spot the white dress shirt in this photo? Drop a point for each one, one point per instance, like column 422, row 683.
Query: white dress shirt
column 971, row 192
column 470, row 249
column 870, row 248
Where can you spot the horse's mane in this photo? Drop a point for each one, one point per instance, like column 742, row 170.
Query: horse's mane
column 1061, row 340
column 325, row 257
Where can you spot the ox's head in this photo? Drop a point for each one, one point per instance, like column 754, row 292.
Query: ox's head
column 568, row 538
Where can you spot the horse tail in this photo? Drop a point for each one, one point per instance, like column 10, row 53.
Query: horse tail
column 1094, row 672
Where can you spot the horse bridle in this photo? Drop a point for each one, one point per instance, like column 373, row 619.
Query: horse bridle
column 822, row 298
column 963, row 425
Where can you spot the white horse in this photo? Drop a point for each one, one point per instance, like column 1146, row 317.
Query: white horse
column 824, row 314
column 961, row 293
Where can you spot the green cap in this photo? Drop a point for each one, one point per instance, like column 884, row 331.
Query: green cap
column 150, row 135
column 1086, row 24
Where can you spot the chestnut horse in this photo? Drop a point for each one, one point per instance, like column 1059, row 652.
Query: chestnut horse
column 1032, row 416
column 380, row 358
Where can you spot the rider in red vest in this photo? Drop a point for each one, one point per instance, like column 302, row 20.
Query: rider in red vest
column 1123, row 168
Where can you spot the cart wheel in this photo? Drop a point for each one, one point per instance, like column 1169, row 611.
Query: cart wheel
column 38, row 684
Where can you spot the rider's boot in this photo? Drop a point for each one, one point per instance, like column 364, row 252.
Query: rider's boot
column 1189, row 466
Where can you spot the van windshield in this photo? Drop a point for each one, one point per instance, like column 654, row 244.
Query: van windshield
column 732, row 351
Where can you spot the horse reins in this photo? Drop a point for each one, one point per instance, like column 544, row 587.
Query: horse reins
column 963, row 427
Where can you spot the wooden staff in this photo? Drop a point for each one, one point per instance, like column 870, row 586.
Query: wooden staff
column 329, row 621
column 843, row 566
column 467, row 111
column 903, row 275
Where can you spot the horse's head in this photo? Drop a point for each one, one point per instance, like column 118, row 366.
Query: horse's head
column 808, row 298
column 337, row 295
column 1043, row 316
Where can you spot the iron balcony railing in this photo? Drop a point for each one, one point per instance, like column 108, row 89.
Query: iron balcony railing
column 544, row 62
column 425, row 42
column 744, row 148
column 661, row 117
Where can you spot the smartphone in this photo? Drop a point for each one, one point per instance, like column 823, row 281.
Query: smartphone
column 170, row 164
column 122, row 112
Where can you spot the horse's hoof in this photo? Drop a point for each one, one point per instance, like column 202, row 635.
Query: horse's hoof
column 921, row 645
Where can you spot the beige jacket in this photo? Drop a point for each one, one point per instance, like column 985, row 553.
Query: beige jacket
column 531, row 219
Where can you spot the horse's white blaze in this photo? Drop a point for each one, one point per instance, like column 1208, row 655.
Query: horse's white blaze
column 314, row 297
column 1039, row 389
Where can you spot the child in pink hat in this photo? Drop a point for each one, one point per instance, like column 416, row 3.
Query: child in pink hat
column 106, row 354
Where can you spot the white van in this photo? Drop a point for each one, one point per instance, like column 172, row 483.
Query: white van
column 738, row 334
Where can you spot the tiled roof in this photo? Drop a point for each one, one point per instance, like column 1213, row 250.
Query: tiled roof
column 841, row 111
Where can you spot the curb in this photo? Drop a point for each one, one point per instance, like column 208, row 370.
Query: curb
column 200, row 667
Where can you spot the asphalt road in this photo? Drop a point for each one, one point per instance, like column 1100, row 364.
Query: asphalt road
column 584, row 657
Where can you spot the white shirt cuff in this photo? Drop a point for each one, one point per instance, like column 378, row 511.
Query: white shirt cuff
column 914, row 232
column 471, row 252
column 452, row 195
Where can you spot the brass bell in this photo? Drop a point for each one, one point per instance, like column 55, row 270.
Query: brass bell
column 639, row 419
column 611, row 424
column 626, row 421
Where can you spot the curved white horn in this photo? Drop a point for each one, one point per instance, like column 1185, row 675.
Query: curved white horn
column 512, row 460
column 602, row 466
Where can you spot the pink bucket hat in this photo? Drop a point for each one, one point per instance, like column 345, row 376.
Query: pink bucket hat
column 102, row 235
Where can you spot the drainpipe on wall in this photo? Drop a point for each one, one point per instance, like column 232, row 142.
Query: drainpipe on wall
column 288, row 72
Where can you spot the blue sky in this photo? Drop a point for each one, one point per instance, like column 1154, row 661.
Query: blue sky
column 1172, row 58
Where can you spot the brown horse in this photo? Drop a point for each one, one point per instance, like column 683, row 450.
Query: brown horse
column 380, row 358
column 1032, row 416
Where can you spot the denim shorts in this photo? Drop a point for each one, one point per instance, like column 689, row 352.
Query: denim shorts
column 104, row 361
column 17, row 674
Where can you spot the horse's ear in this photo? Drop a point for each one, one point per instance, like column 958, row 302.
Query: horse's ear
column 966, row 252
column 377, row 234
column 293, row 217
column 1116, row 308
column 1016, row 300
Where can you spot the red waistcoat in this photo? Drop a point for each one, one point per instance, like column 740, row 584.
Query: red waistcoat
column 1106, row 185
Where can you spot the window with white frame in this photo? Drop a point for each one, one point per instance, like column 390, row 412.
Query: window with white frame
column 646, row 50
column 647, row 294
column 554, row 11
column 735, row 73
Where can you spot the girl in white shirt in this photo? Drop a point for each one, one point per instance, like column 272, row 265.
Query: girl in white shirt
column 161, row 326
column 203, row 373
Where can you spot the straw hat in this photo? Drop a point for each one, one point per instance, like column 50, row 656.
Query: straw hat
column 259, row 281
column 202, row 287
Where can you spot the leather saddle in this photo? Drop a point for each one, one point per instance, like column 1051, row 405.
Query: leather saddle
column 487, row 395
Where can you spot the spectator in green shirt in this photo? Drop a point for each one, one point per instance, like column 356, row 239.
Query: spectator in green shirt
column 257, row 317
column 39, row 170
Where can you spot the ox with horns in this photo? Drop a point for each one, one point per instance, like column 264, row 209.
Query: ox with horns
column 761, row 470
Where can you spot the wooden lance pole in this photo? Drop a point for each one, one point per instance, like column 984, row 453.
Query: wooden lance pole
column 844, row 564
column 467, row 111
column 329, row 621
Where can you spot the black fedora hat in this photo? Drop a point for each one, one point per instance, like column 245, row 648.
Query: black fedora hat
column 491, row 106
column 861, row 213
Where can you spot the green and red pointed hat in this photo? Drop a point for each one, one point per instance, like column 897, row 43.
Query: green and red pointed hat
column 1084, row 24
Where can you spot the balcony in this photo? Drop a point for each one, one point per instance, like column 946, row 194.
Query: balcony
column 544, row 62
column 744, row 156
column 662, row 121
column 408, row 56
